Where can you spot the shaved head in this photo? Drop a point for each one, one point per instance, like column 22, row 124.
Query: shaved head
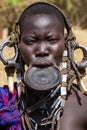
column 41, row 8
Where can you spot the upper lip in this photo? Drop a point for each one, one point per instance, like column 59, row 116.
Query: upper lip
column 42, row 62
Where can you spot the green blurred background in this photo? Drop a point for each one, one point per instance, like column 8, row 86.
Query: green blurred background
column 75, row 10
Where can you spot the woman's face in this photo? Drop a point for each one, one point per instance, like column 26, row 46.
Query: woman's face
column 42, row 40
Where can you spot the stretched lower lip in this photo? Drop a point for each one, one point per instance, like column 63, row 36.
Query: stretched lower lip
column 42, row 79
column 42, row 62
column 42, row 65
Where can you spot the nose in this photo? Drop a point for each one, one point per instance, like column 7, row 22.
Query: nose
column 42, row 51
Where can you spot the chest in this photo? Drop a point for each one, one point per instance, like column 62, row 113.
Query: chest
column 40, row 107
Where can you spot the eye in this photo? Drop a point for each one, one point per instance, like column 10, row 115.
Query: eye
column 53, row 40
column 29, row 41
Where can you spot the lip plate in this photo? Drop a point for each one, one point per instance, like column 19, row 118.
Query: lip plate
column 42, row 79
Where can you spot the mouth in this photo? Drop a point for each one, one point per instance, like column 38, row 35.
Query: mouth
column 42, row 63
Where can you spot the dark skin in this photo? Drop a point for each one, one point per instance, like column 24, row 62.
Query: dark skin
column 42, row 36
column 74, row 116
column 41, row 39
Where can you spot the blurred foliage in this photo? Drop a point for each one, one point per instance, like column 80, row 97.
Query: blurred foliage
column 14, row 2
column 9, row 10
column 75, row 10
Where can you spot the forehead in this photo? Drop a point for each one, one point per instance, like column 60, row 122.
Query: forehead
column 42, row 21
column 41, row 8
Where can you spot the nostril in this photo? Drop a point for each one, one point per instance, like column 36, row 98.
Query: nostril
column 42, row 54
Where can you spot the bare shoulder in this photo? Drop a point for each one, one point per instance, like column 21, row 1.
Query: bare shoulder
column 77, row 97
column 75, row 110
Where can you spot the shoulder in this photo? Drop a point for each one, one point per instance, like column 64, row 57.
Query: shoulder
column 76, row 96
column 75, row 110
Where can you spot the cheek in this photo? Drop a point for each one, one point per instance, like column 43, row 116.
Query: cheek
column 58, row 50
column 26, row 53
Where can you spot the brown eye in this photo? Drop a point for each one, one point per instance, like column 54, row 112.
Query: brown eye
column 29, row 41
column 53, row 40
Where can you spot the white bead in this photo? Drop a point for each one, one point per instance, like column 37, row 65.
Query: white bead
column 63, row 91
column 65, row 53
column 64, row 78
column 62, row 103
column 64, row 65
